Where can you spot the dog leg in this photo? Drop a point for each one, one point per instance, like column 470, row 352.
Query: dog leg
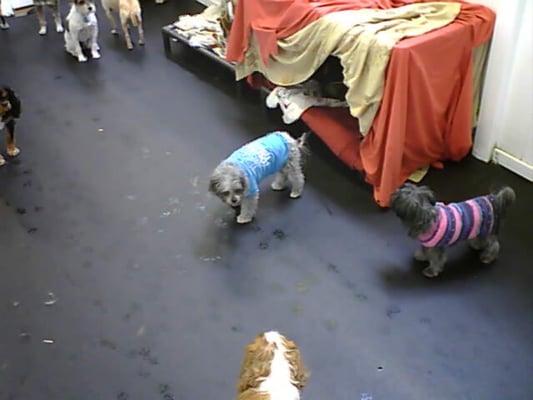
column 2, row 161
column 12, row 150
column 112, row 21
column 75, row 48
column 491, row 250
column 297, row 180
column 280, row 181
column 437, row 259
column 248, row 209
column 42, row 20
column 420, row 254
column 95, row 54
column 3, row 25
column 477, row 243
column 57, row 18
column 124, row 23
column 141, row 32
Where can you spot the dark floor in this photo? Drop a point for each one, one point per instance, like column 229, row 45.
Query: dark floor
column 157, row 289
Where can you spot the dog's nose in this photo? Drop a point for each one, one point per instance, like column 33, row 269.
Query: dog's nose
column 90, row 8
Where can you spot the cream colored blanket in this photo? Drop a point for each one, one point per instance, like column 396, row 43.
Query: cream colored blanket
column 361, row 39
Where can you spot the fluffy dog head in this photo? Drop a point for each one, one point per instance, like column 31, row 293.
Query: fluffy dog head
column 229, row 184
column 84, row 7
column 272, row 369
column 415, row 206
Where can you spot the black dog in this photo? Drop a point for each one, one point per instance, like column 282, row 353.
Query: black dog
column 10, row 109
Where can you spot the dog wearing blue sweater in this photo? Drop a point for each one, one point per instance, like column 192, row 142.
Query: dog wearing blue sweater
column 236, row 180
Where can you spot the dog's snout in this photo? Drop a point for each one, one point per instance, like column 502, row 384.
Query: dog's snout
column 91, row 8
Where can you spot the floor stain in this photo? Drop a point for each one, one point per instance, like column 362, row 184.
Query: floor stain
column 333, row 268
column 263, row 245
column 108, row 344
column 361, row 297
column 331, row 325
column 123, row 396
column 165, row 392
column 277, row 288
column 391, row 311
column 297, row 309
column 146, row 355
column 302, row 287
column 279, row 234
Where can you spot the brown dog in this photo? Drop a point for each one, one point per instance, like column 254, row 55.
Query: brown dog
column 10, row 109
column 129, row 13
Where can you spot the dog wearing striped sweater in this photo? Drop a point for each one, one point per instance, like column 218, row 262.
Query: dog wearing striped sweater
column 438, row 226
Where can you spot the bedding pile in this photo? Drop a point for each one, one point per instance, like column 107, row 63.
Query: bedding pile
column 361, row 39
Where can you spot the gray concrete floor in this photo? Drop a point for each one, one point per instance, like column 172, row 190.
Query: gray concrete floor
column 158, row 306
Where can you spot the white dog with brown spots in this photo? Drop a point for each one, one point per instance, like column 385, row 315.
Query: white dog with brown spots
column 272, row 369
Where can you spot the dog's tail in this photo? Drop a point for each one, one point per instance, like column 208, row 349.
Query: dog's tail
column 302, row 146
column 302, row 140
column 503, row 198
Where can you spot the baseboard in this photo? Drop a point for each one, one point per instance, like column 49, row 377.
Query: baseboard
column 514, row 164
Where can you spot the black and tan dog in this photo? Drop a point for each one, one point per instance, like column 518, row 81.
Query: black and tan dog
column 10, row 109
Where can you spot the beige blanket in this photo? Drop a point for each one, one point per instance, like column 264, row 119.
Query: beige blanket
column 361, row 39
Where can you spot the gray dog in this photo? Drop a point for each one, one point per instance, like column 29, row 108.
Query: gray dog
column 438, row 226
column 236, row 180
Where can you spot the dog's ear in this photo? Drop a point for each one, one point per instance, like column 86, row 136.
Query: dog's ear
column 213, row 183
column 428, row 194
column 243, row 181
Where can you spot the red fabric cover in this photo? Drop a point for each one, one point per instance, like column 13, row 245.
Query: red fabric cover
column 426, row 112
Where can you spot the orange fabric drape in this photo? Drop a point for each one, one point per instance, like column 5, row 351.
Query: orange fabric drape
column 426, row 113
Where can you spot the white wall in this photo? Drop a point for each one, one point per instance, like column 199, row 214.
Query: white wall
column 505, row 128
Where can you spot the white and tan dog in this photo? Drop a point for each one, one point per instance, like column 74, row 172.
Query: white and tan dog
column 272, row 369
column 82, row 30
column 130, row 13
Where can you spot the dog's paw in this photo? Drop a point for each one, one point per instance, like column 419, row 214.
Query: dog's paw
column 82, row 58
column 59, row 28
column 2, row 161
column 13, row 152
column 244, row 220
column 42, row 30
column 420, row 255
column 295, row 195
column 95, row 54
column 277, row 186
column 431, row 272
